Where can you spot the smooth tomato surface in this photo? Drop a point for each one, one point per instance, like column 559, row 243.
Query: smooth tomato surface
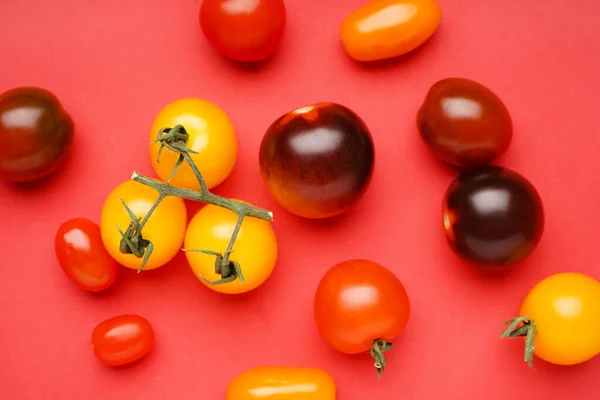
column 211, row 135
column 165, row 228
column 282, row 383
column 82, row 256
column 255, row 248
column 358, row 302
column 244, row 30
column 36, row 133
column 317, row 161
column 464, row 123
column 566, row 310
column 389, row 28
column 122, row 339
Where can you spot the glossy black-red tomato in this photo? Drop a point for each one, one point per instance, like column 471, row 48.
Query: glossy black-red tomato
column 317, row 161
column 35, row 134
column 492, row 216
column 464, row 123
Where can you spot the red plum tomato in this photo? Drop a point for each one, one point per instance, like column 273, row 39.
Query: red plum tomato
column 243, row 30
column 35, row 134
column 122, row 339
column 317, row 161
column 464, row 123
column 82, row 256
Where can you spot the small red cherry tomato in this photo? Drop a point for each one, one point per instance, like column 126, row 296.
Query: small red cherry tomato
column 82, row 256
column 122, row 339
column 243, row 30
column 361, row 306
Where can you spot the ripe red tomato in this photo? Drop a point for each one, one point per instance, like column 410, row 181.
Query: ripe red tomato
column 122, row 339
column 82, row 256
column 361, row 306
column 244, row 30
column 35, row 134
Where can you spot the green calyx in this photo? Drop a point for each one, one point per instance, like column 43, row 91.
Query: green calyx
column 522, row 327
column 377, row 352
column 132, row 242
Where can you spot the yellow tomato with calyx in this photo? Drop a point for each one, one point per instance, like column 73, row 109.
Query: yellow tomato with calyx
column 212, row 140
column 165, row 228
column 255, row 248
column 560, row 319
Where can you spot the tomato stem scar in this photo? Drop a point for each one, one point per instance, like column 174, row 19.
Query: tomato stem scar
column 132, row 241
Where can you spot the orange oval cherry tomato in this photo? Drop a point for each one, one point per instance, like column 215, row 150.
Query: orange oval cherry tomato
column 389, row 28
column 282, row 383
column 211, row 135
column 562, row 315
column 165, row 228
column 122, row 339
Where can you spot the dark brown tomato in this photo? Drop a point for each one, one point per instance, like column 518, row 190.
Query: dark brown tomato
column 492, row 216
column 464, row 123
column 35, row 134
column 317, row 161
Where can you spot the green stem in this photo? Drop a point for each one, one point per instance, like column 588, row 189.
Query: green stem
column 377, row 352
column 522, row 327
column 132, row 242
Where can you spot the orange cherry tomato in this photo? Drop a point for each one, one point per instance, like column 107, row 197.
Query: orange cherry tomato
column 165, row 227
column 560, row 320
column 389, row 28
column 255, row 248
column 282, row 383
column 211, row 136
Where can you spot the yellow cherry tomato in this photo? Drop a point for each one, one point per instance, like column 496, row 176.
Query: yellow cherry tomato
column 211, row 136
column 255, row 248
column 389, row 28
column 564, row 312
column 165, row 227
column 282, row 383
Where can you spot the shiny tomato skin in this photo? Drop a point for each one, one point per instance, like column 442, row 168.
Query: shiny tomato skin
column 382, row 29
column 317, row 161
column 212, row 139
column 282, row 383
column 358, row 302
column 464, row 123
column 244, row 30
column 165, row 227
column 122, row 339
column 566, row 310
column 36, row 134
column 82, row 256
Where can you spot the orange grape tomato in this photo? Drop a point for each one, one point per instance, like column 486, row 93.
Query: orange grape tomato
column 211, row 135
column 165, row 228
column 282, row 383
column 255, row 248
column 389, row 28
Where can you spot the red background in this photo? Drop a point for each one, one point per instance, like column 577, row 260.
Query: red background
column 116, row 63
